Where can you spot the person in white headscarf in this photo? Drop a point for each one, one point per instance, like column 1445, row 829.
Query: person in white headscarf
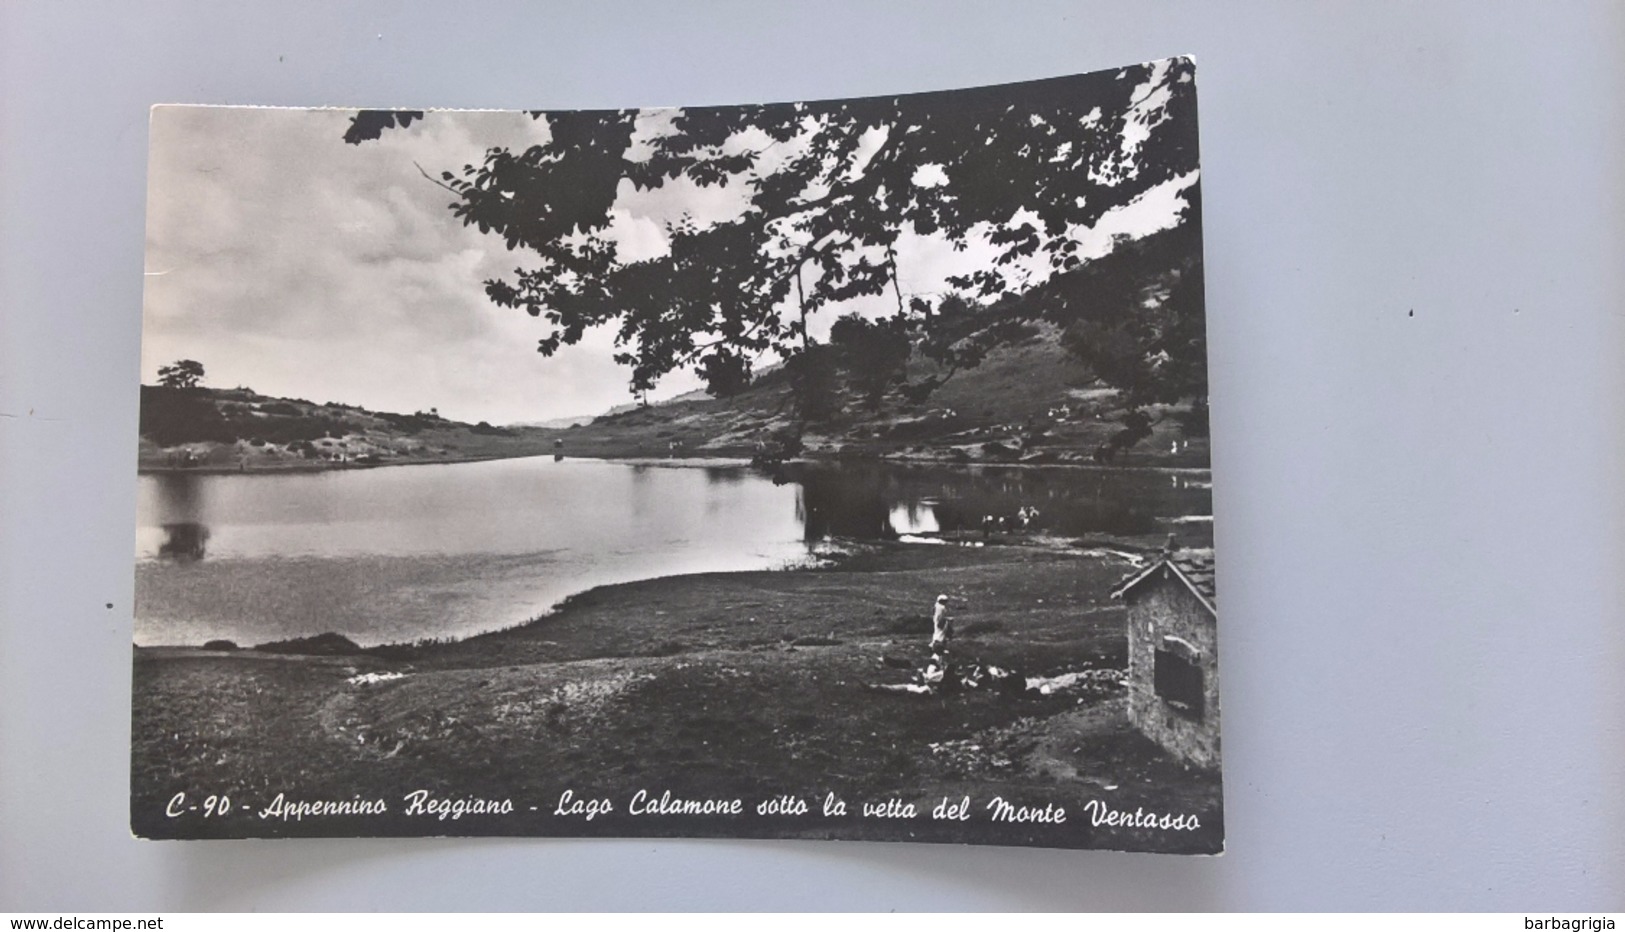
column 942, row 624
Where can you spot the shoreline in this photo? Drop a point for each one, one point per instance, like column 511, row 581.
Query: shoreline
column 693, row 462
column 318, row 466
column 856, row 559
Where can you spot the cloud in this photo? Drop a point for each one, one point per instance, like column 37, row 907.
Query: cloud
column 296, row 264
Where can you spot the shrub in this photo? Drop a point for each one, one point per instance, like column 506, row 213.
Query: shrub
column 321, row 644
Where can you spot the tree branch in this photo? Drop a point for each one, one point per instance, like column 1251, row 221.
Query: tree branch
column 896, row 281
column 801, row 299
column 435, row 180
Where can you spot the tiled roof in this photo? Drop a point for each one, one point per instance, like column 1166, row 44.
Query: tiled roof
column 1197, row 567
column 1194, row 567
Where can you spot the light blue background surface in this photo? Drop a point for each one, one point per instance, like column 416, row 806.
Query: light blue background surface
column 1419, row 517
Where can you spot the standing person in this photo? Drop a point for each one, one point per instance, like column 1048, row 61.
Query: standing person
column 942, row 625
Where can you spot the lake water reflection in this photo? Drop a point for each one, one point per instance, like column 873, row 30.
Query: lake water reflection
column 417, row 552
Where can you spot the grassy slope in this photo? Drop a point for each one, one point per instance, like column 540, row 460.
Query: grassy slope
column 1000, row 402
column 233, row 429
column 693, row 684
column 1016, row 386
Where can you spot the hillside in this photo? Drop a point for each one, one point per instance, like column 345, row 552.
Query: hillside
column 241, row 430
column 1027, row 402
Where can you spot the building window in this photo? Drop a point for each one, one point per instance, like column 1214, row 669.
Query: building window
column 1178, row 680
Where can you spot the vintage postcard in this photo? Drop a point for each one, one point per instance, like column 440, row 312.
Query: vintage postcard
column 835, row 469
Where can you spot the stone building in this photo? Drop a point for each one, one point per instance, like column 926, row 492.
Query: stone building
column 1173, row 670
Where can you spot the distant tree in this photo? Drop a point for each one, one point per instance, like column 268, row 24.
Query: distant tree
column 873, row 354
column 185, row 373
column 812, row 378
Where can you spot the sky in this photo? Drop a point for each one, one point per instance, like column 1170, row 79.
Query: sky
column 290, row 262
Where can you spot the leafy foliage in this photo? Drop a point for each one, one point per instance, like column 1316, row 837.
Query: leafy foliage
column 1141, row 333
column 826, row 191
column 370, row 124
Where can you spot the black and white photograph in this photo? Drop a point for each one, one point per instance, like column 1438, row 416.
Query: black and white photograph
column 824, row 470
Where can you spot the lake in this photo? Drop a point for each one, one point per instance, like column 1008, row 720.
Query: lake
column 448, row 550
